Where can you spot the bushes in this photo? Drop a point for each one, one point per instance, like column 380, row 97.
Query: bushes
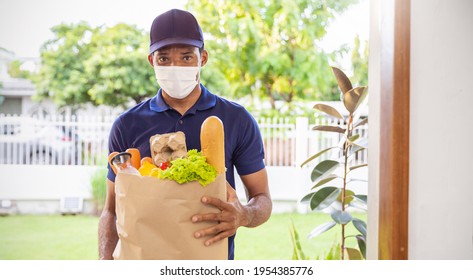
column 99, row 188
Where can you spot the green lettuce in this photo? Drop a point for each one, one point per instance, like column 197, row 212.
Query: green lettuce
column 192, row 168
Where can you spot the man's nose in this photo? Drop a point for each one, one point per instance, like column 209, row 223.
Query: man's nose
column 174, row 61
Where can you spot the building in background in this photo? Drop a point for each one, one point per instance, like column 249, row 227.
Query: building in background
column 16, row 93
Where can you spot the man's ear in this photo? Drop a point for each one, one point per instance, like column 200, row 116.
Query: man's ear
column 205, row 57
column 150, row 59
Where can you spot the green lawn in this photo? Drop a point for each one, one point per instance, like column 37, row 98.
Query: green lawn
column 75, row 237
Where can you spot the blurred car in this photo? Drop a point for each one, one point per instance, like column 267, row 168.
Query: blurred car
column 26, row 140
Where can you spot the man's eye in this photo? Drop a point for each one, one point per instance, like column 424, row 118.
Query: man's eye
column 162, row 59
column 187, row 58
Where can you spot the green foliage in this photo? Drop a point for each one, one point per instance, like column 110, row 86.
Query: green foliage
column 100, row 65
column 14, row 70
column 359, row 60
column 323, row 196
column 334, row 252
column 285, row 110
column 268, row 48
column 298, row 253
column 99, row 188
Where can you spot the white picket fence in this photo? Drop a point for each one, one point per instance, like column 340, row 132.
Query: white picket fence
column 289, row 143
column 83, row 140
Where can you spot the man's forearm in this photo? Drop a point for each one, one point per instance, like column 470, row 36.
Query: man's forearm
column 258, row 210
column 108, row 237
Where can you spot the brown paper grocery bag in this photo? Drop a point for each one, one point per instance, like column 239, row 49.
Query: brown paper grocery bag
column 154, row 219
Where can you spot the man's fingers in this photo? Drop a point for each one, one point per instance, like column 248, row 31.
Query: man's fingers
column 219, row 231
column 212, row 217
column 213, row 230
column 217, row 238
column 215, row 202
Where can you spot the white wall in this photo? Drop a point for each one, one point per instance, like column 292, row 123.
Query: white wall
column 441, row 149
column 37, row 189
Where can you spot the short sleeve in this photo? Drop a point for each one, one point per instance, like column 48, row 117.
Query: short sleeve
column 249, row 153
column 116, row 143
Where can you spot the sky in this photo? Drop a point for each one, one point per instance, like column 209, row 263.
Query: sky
column 25, row 24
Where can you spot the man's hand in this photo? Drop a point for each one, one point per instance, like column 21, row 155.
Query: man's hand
column 233, row 215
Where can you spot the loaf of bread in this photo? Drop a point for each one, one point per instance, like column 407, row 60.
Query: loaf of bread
column 212, row 141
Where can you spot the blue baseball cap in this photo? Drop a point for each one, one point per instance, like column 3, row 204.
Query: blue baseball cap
column 175, row 27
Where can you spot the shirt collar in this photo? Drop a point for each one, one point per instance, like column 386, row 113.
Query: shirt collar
column 206, row 101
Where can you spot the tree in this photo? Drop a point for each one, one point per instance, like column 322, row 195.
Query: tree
column 97, row 65
column 15, row 71
column 359, row 60
column 269, row 48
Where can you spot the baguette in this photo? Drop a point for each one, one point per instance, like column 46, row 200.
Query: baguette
column 212, row 140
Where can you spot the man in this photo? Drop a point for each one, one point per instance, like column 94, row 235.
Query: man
column 177, row 54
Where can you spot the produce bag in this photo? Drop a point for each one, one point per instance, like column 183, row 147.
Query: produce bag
column 154, row 215
column 154, row 219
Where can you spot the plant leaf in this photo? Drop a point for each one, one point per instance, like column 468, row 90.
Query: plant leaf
column 354, row 138
column 324, row 197
column 357, row 180
column 361, row 122
column 355, row 149
column 358, row 166
column 321, row 229
column 342, row 80
column 329, row 128
column 324, row 180
column 362, row 197
column 334, row 252
column 358, row 204
column 362, row 245
column 316, row 155
column 352, row 254
column 360, row 226
column 348, row 196
column 353, row 98
column 341, row 217
column 298, row 253
column 323, row 169
column 329, row 110
column 307, row 198
column 361, row 143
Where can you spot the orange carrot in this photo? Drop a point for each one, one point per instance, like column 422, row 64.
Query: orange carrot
column 148, row 159
column 110, row 157
column 135, row 157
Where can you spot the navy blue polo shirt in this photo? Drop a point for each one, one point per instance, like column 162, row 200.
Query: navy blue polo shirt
column 243, row 143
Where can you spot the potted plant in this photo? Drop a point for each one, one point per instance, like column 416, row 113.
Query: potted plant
column 326, row 194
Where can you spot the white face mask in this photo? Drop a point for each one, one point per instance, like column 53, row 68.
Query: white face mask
column 177, row 81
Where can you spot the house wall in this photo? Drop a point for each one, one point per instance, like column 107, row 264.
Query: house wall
column 374, row 127
column 441, row 97
column 11, row 105
column 441, row 188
